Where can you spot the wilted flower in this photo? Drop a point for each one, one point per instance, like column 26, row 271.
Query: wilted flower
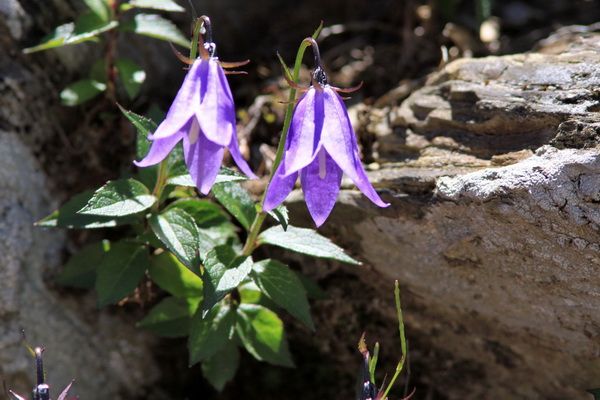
column 320, row 146
column 203, row 116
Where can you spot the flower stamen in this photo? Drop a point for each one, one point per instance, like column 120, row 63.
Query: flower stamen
column 322, row 164
column 194, row 132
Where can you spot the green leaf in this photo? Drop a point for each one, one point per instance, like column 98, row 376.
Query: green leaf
column 281, row 215
column 221, row 368
column 210, row 219
column 119, row 198
column 209, row 334
column 87, row 27
column 67, row 216
column 171, row 317
column 171, row 275
column 313, row 291
column 237, row 201
column 224, row 270
column 164, row 5
column 250, row 293
column 282, row 286
column 99, row 7
column 132, row 76
column 305, row 241
column 144, row 126
column 120, row 271
column 262, row 333
column 178, row 231
column 180, row 177
column 81, row 91
column 98, row 71
column 80, row 270
column 156, row 27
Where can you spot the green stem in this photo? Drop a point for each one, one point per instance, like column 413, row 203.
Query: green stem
column 403, row 346
column 250, row 244
column 161, row 179
column 195, row 33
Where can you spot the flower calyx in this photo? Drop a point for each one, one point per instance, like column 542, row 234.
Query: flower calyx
column 207, row 48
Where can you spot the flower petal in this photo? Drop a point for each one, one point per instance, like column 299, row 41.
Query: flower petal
column 279, row 188
column 181, row 109
column 234, row 150
column 339, row 140
column 161, row 147
column 321, row 181
column 202, row 157
column 216, row 112
column 305, row 131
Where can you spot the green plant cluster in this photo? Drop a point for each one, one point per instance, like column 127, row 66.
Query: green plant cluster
column 191, row 248
column 102, row 23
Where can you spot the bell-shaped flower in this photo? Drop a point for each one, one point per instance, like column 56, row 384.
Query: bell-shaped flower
column 203, row 117
column 320, row 147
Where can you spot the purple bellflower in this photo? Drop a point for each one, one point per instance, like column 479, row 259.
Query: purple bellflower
column 320, row 147
column 203, row 116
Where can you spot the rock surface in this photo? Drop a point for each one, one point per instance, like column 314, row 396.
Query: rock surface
column 108, row 358
column 493, row 172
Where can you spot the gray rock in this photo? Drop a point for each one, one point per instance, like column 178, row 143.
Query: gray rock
column 492, row 232
column 106, row 355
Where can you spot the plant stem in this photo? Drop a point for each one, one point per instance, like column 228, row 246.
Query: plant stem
column 250, row 244
column 403, row 346
column 161, row 179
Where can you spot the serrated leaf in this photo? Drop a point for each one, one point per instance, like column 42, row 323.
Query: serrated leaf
column 180, row 177
column 224, row 270
column 178, row 231
column 119, row 198
column 210, row 219
column 221, row 368
column 209, row 334
column 174, row 277
column 280, row 213
column 262, row 334
column 164, row 5
column 67, row 216
column 132, row 76
column 250, row 293
column 172, row 317
column 81, row 91
column 157, row 27
column 282, row 286
column 313, row 291
column 144, row 126
column 80, row 270
column 120, row 271
column 98, row 71
column 237, row 201
column 98, row 7
column 305, row 241
column 87, row 27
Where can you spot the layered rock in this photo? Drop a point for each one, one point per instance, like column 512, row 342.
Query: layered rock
column 493, row 172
